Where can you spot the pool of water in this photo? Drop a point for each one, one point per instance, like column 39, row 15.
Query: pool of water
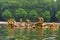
column 28, row 34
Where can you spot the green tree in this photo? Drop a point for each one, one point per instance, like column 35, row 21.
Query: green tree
column 7, row 15
column 20, row 13
column 58, row 15
column 39, row 5
column 33, row 15
column 46, row 16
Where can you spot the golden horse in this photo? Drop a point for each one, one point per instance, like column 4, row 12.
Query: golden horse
column 41, row 30
column 40, row 23
column 28, row 25
column 53, row 27
column 10, row 27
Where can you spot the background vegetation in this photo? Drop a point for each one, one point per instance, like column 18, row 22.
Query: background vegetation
column 29, row 9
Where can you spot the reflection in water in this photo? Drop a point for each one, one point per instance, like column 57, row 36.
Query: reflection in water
column 41, row 32
column 58, row 34
column 32, row 34
column 21, row 33
column 10, row 32
column 53, row 27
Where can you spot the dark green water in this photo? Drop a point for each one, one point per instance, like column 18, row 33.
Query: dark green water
column 29, row 34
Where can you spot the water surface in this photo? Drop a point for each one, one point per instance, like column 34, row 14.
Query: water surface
column 29, row 34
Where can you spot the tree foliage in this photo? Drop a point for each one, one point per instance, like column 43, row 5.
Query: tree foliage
column 21, row 13
column 40, row 6
column 58, row 15
column 33, row 15
column 7, row 15
column 46, row 15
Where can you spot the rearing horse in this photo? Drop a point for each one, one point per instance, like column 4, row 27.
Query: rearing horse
column 10, row 27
